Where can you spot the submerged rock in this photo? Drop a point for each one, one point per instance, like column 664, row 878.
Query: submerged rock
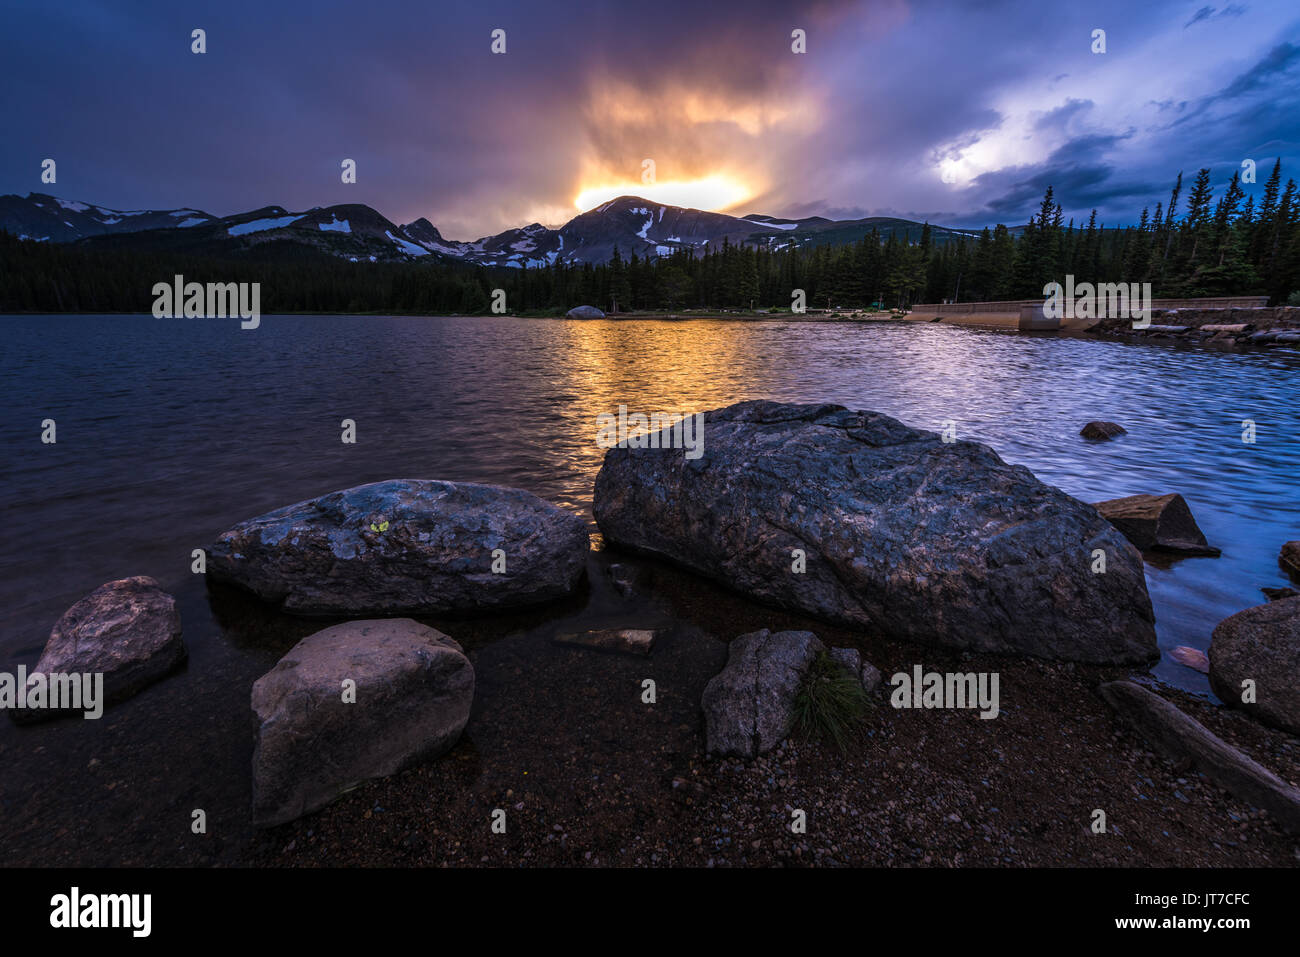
column 632, row 641
column 1180, row 737
column 856, row 518
column 127, row 630
column 407, row 546
column 622, row 578
column 749, row 705
column 1102, row 430
column 1157, row 523
column 1261, row 644
column 413, row 688
column 1277, row 594
column 584, row 312
column 1193, row 658
column 1289, row 559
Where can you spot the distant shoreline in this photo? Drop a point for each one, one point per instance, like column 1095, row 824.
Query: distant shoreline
column 1274, row 326
column 810, row 316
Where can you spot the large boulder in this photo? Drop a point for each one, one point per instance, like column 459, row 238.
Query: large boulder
column 407, row 546
column 127, row 630
column 933, row 542
column 584, row 312
column 749, row 705
column 411, row 697
column 1160, row 523
column 1263, row 644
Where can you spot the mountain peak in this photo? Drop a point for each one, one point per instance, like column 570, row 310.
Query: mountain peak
column 353, row 231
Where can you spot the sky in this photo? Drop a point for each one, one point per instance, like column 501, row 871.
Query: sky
column 959, row 114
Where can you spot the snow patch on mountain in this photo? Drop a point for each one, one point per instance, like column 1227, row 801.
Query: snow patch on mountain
column 261, row 225
column 336, row 225
column 408, row 247
column 440, row 248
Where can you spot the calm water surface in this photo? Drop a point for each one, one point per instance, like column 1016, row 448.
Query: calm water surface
column 171, row 431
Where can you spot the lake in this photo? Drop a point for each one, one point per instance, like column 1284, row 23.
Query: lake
column 171, row 431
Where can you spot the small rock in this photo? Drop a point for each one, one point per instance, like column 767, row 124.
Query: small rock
column 632, row 641
column 1289, row 559
column 871, row 677
column 866, row 672
column 127, row 630
column 1102, row 431
column 1277, row 594
column 1157, row 522
column 850, row 658
column 622, row 578
column 1191, row 657
column 584, row 312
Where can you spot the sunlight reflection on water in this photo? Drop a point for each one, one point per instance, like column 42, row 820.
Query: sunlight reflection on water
column 171, row 431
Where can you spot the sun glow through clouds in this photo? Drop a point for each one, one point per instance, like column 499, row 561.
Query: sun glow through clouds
column 711, row 193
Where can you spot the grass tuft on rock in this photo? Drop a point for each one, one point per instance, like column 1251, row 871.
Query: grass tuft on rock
column 831, row 704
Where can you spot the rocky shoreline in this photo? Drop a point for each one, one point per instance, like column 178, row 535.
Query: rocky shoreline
column 923, row 789
column 830, row 531
column 1269, row 327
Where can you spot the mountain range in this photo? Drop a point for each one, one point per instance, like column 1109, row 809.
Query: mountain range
column 359, row 233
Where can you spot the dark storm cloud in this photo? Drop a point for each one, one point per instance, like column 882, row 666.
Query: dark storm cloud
column 1075, row 173
column 1059, row 118
column 1253, row 116
column 1279, row 61
column 1260, row 123
column 863, row 123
